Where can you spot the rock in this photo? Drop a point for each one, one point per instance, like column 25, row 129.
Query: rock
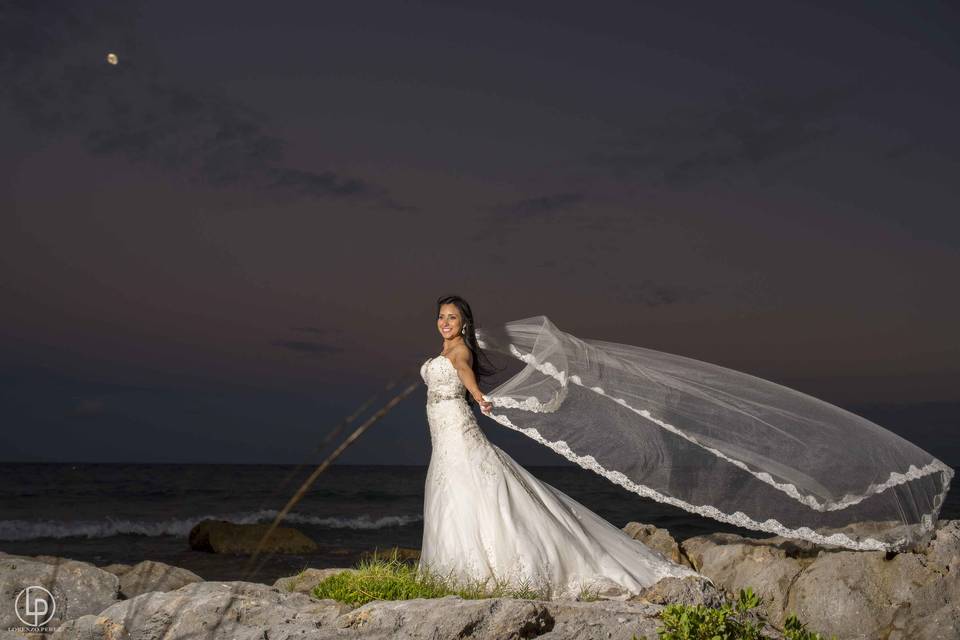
column 449, row 617
column 657, row 539
column 852, row 594
column 944, row 548
column 690, row 590
column 208, row 610
column 865, row 595
column 117, row 569
column 78, row 588
column 221, row 611
column 307, row 580
column 839, row 592
column 41, row 558
column 943, row 624
column 613, row 619
column 199, row 536
column 602, row 589
column 52, row 559
column 220, row 536
column 154, row 576
column 735, row 563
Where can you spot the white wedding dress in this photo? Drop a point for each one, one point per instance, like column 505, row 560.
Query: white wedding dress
column 486, row 518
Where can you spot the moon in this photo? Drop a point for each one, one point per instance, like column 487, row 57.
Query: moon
column 112, row 58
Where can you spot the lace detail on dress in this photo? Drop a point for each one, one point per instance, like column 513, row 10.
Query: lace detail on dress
column 454, row 431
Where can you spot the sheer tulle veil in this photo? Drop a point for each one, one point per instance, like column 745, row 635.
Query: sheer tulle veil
column 716, row 442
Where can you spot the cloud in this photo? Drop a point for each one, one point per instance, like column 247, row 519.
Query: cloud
column 749, row 128
column 540, row 206
column 54, row 75
column 502, row 221
column 652, row 294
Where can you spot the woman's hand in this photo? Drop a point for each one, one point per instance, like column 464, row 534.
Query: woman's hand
column 485, row 405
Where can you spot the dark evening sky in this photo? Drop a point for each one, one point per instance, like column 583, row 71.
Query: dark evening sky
column 215, row 249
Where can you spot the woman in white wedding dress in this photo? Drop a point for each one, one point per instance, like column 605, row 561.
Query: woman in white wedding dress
column 487, row 519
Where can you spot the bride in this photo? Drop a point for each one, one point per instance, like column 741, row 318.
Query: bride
column 714, row 441
column 486, row 519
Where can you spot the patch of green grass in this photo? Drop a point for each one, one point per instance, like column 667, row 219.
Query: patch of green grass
column 739, row 621
column 388, row 578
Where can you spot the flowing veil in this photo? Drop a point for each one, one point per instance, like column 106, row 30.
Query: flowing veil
column 717, row 442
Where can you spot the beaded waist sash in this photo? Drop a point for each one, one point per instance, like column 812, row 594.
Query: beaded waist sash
column 434, row 397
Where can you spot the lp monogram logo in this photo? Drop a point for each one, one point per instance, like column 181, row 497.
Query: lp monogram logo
column 35, row 606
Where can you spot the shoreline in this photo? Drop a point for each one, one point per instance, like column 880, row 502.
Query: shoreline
column 853, row 594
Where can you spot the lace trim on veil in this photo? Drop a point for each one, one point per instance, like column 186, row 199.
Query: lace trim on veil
column 737, row 518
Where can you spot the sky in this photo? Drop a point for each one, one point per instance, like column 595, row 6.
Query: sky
column 217, row 248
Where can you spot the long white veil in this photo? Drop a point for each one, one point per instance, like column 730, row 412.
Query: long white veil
column 717, row 442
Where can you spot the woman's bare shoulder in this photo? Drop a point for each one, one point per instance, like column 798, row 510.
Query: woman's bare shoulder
column 461, row 354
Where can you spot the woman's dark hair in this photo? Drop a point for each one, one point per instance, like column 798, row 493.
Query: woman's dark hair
column 469, row 337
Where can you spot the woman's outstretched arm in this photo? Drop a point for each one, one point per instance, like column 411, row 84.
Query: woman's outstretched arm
column 461, row 359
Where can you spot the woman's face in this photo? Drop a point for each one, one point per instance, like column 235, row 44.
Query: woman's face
column 449, row 321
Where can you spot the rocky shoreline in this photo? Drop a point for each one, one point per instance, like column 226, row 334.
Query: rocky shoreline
column 855, row 595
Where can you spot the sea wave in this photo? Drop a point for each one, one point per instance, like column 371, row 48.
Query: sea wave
column 111, row 526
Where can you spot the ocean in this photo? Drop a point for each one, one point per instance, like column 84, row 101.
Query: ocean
column 108, row 513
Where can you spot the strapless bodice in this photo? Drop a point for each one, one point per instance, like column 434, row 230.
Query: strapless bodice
column 442, row 380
